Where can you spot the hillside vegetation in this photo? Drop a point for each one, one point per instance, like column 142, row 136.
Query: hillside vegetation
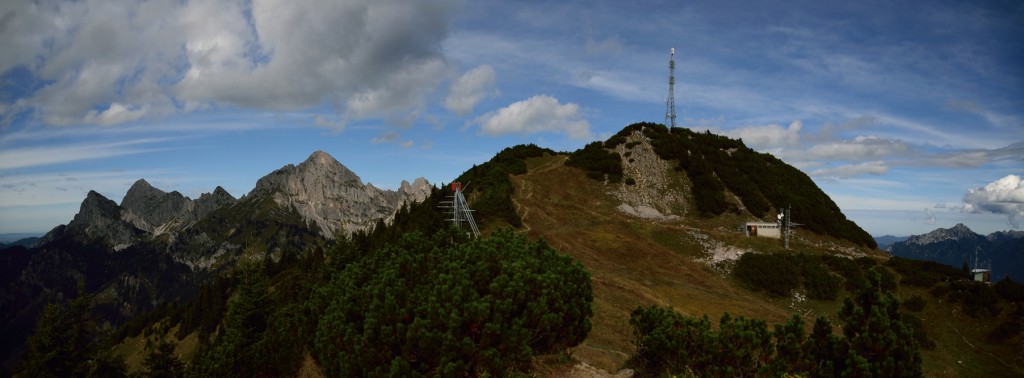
column 763, row 183
column 578, row 284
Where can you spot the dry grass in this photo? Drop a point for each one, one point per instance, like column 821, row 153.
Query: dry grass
column 635, row 262
column 632, row 262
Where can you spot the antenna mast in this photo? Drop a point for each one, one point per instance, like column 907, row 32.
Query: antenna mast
column 670, row 104
column 461, row 213
column 786, row 223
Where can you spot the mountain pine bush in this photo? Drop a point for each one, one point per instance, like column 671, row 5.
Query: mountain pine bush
column 440, row 306
column 877, row 341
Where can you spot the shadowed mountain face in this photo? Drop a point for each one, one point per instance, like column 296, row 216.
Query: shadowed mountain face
column 1003, row 252
column 157, row 246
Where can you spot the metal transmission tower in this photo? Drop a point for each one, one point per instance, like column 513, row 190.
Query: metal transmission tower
column 461, row 213
column 670, row 104
column 786, row 223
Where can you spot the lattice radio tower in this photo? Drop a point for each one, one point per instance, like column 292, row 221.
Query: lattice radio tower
column 460, row 211
column 786, row 223
column 670, row 104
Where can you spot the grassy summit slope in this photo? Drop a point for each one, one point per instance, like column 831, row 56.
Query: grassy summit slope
column 673, row 254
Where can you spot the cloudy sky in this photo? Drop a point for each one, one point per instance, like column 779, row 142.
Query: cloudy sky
column 910, row 115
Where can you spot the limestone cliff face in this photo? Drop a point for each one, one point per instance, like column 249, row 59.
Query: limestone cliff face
column 148, row 208
column 156, row 211
column 328, row 194
column 208, row 202
column 98, row 219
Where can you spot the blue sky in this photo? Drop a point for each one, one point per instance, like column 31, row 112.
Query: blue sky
column 910, row 115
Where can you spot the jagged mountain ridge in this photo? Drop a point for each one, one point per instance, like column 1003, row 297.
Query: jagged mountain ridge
column 953, row 246
column 327, row 193
column 157, row 247
column 155, row 211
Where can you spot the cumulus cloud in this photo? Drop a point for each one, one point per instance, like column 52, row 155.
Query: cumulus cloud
column 470, row 89
column 852, row 170
column 769, row 137
column 1003, row 196
column 116, row 113
column 534, row 115
column 107, row 62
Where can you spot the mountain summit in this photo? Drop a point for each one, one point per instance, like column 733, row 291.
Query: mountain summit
column 325, row 192
column 1000, row 251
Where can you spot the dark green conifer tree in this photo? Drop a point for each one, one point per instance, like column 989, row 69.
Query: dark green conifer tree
column 66, row 342
column 881, row 345
column 160, row 362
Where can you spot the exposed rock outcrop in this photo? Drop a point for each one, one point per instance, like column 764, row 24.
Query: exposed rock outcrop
column 657, row 194
column 327, row 193
column 148, row 208
column 98, row 219
column 208, row 202
column 155, row 211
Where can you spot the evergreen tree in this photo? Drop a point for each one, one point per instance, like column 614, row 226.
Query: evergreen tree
column 881, row 345
column 240, row 348
column 878, row 342
column 826, row 351
column 160, row 362
column 791, row 347
column 67, row 343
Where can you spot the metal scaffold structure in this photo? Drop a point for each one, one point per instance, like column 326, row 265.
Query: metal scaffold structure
column 786, row 223
column 670, row 104
column 460, row 211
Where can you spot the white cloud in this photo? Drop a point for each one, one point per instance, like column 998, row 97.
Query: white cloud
column 1003, row 196
column 470, row 89
column 769, row 137
column 534, row 115
column 116, row 113
column 329, row 123
column 36, row 156
column 107, row 62
column 860, row 148
column 852, row 170
column 973, row 158
column 386, row 137
column 392, row 137
column 929, row 217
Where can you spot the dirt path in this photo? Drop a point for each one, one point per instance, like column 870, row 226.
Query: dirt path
column 979, row 350
column 526, row 191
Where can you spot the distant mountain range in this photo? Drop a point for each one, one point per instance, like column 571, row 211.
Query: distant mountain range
column 885, row 241
column 1002, row 251
column 24, row 242
column 156, row 246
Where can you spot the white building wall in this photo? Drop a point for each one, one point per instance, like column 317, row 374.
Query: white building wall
column 764, row 229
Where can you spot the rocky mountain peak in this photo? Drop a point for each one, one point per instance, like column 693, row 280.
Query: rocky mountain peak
column 95, row 209
column 208, row 202
column 100, row 218
column 958, row 232
column 321, row 162
column 148, row 208
column 325, row 192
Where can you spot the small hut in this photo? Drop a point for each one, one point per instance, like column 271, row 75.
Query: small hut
column 764, row 229
column 981, row 275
